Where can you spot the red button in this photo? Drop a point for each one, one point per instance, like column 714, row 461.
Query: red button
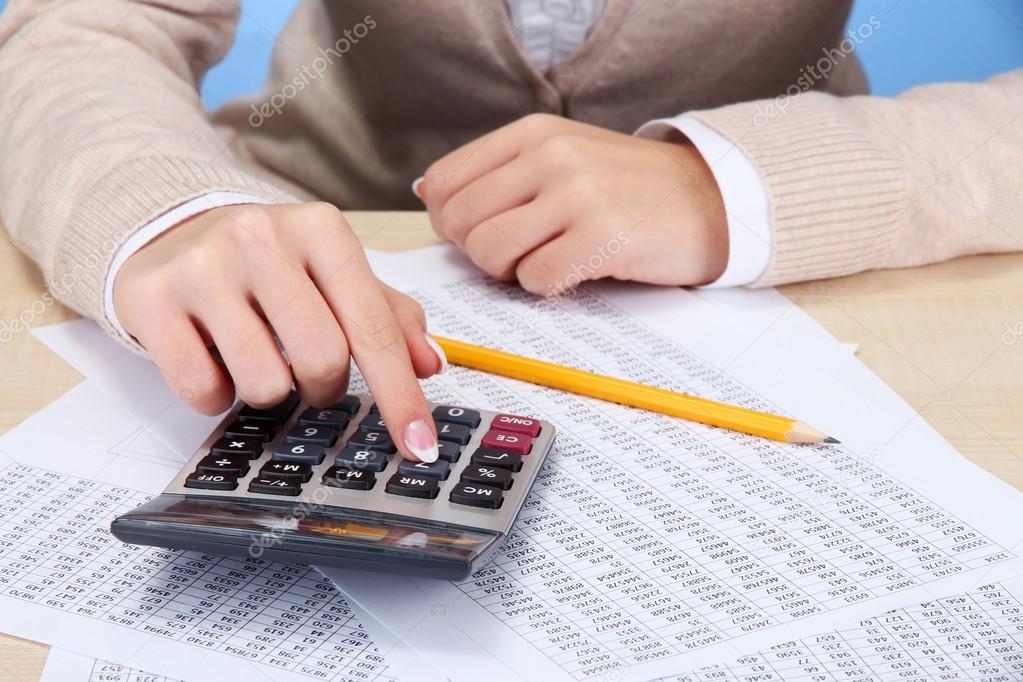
column 515, row 424
column 513, row 442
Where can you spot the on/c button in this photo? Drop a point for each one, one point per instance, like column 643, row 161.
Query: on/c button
column 517, row 424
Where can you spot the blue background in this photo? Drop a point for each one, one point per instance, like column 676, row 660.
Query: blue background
column 919, row 41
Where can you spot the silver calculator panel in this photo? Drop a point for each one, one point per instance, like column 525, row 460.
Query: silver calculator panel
column 440, row 509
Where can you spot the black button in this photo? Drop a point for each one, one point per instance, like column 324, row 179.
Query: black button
column 314, row 435
column 290, row 471
column 298, row 452
column 351, row 479
column 454, row 433
column 476, row 495
column 439, row 469
column 497, row 458
column 361, row 458
column 211, row 481
column 457, row 415
column 242, row 446
column 349, row 404
column 276, row 415
column 373, row 422
column 263, row 431
column 413, row 486
column 275, row 486
column 373, row 409
column 487, row 475
column 373, row 440
column 231, row 465
column 449, row 452
column 336, row 419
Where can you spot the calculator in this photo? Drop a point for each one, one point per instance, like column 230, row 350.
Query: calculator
column 325, row 486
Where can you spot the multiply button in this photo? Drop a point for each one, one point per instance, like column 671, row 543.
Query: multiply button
column 516, row 424
column 241, row 446
column 516, row 442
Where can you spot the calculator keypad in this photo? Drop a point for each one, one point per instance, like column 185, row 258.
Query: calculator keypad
column 347, row 447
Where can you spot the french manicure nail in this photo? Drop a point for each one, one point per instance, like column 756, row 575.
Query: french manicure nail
column 421, row 442
column 415, row 186
column 440, row 354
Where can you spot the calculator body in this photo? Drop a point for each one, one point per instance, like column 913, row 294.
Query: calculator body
column 326, row 487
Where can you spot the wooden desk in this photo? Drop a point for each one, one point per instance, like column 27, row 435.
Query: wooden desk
column 948, row 338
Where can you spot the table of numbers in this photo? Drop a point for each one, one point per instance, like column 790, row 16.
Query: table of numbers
column 973, row 636
column 647, row 536
column 56, row 551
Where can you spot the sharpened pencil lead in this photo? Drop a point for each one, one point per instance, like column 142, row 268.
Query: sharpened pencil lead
column 829, row 439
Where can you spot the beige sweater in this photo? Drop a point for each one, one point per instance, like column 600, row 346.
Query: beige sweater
column 103, row 129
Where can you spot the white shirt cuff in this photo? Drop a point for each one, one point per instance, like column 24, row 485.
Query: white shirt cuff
column 742, row 190
column 154, row 229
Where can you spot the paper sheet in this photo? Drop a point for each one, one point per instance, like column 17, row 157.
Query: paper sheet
column 651, row 545
column 977, row 635
column 64, row 666
column 64, row 580
column 971, row 636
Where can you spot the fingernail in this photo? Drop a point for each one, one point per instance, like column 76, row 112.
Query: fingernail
column 415, row 186
column 440, row 354
column 421, row 442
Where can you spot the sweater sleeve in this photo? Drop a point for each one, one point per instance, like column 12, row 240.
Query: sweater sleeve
column 103, row 129
column 859, row 183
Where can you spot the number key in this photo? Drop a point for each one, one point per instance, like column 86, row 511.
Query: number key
column 457, row 415
column 354, row 458
column 314, row 435
column 336, row 419
column 454, row 433
column 298, row 452
column 439, row 469
column 373, row 440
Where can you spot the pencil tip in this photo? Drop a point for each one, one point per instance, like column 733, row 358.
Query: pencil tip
column 829, row 439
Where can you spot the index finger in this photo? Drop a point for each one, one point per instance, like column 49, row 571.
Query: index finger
column 377, row 345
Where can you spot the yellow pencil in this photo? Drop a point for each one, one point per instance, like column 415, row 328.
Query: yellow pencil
column 630, row 393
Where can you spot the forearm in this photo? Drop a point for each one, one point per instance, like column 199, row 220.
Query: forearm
column 104, row 129
column 866, row 182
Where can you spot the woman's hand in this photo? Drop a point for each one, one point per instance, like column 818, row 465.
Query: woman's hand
column 553, row 202
column 236, row 276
